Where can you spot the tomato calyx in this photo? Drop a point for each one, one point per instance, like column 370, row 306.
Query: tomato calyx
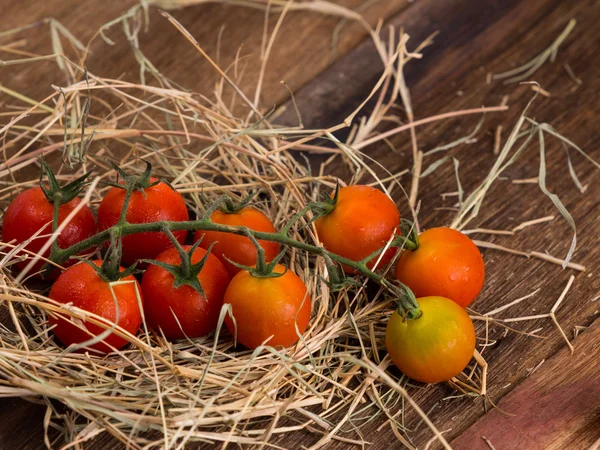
column 110, row 269
column 327, row 203
column 229, row 206
column 262, row 269
column 408, row 239
column 61, row 195
column 319, row 209
column 185, row 273
column 134, row 182
column 408, row 306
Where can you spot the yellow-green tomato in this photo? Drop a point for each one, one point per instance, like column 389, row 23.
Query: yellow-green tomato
column 434, row 347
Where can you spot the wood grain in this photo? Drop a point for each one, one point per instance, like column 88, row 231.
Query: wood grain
column 556, row 408
column 302, row 50
column 476, row 37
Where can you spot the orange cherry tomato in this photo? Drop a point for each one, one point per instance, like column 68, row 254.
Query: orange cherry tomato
column 266, row 308
column 155, row 204
column 446, row 263
column 436, row 346
column 239, row 249
column 363, row 220
column 197, row 315
column 81, row 286
column 30, row 212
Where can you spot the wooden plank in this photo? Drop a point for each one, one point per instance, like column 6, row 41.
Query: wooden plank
column 302, row 50
column 556, row 408
column 476, row 38
column 495, row 36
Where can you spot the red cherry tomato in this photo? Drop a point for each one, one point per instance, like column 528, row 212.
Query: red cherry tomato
column 30, row 211
column 436, row 346
column 239, row 249
column 183, row 311
column 155, row 204
column 82, row 287
column 362, row 222
column 266, row 308
column 446, row 263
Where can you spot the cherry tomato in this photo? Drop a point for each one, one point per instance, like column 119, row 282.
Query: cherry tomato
column 154, row 204
column 239, row 249
column 446, row 263
column 82, row 287
column 30, row 211
column 362, row 222
column 434, row 347
column 195, row 314
column 266, row 308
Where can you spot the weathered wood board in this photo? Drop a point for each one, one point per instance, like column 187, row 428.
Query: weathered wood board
column 475, row 38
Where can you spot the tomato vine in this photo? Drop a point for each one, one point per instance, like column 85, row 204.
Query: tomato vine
column 408, row 305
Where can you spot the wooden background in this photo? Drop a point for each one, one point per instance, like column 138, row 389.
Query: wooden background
column 558, row 405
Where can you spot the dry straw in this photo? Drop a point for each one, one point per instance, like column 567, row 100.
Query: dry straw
column 158, row 394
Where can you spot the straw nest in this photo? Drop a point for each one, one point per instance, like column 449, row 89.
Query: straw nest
column 160, row 394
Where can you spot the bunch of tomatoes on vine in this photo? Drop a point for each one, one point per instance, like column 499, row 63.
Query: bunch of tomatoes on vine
column 235, row 265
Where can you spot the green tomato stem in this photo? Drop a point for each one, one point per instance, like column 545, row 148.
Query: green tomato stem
column 407, row 300
column 126, row 200
column 409, row 238
column 55, row 215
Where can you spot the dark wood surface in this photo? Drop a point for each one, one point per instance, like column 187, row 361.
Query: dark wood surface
column 303, row 48
column 556, row 408
column 475, row 38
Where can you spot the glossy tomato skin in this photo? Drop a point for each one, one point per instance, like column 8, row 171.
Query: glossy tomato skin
column 434, row 347
column 155, row 204
column 81, row 286
column 239, row 249
column 362, row 222
column 197, row 315
column 447, row 263
column 264, row 307
column 30, row 211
